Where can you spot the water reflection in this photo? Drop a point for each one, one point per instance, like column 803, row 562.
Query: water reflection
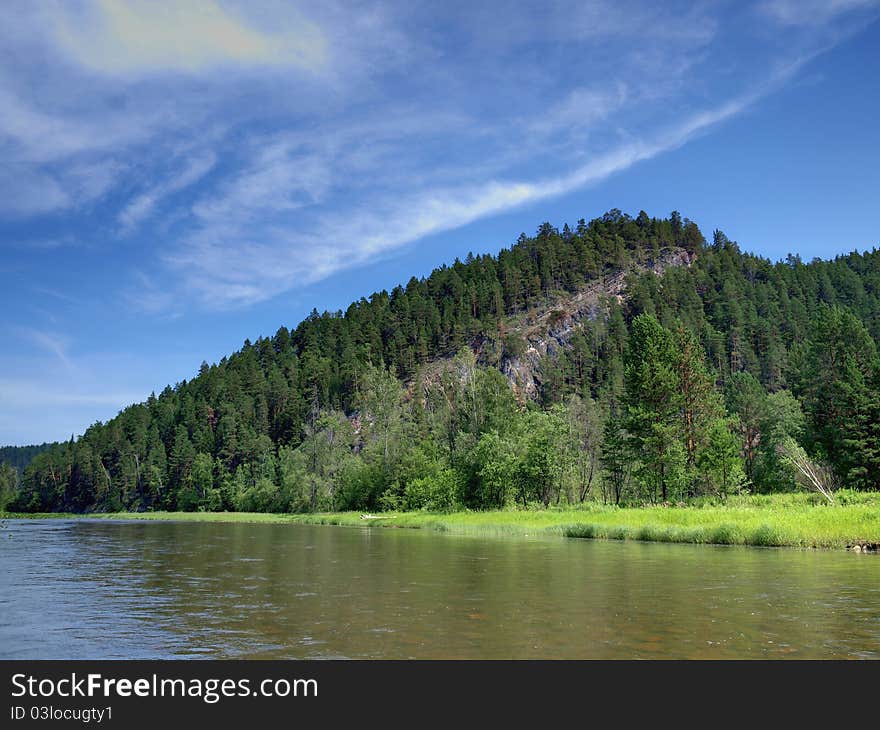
column 89, row 589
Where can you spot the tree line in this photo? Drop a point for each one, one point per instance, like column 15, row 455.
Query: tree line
column 688, row 387
column 18, row 457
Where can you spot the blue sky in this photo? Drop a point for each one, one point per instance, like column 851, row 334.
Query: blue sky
column 177, row 177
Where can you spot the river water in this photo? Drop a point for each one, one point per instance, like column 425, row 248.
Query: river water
column 76, row 589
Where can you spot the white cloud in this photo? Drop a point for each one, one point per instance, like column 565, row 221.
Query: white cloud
column 194, row 169
column 294, row 175
column 30, row 192
column 242, row 267
column 145, row 36
column 89, row 180
column 62, row 159
column 266, row 231
column 811, row 12
column 39, row 136
column 580, row 109
column 237, row 260
column 53, row 342
column 146, row 296
column 283, row 176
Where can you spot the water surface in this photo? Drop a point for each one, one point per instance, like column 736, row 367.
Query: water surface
column 74, row 589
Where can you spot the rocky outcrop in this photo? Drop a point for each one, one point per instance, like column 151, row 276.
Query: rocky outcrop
column 546, row 331
column 548, row 328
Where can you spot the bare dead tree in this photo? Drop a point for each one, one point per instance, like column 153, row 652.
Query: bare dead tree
column 810, row 474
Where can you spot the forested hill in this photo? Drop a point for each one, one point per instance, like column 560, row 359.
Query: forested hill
column 687, row 369
column 13, row 460
column 18, row 457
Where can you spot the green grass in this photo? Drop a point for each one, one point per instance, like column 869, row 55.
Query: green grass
column 797, row 520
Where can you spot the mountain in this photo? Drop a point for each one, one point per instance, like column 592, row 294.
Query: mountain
column 535, row 375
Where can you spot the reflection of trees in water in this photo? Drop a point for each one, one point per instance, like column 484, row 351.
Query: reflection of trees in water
column 298, row 591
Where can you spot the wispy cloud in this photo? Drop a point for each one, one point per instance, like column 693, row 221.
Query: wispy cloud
column 62, row 159
column 50, row 389
column 282, row 177
column 580, row 109
column 144, row 295
column 55, row 294
column 41, row 136
column 30, row 192
column 148, row 36
column 811, row 12
column 247, row 149
column 230, row 263
column 143, row 204
column 52, row 342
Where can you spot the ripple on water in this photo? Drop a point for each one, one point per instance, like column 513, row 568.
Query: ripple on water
column 154, row 590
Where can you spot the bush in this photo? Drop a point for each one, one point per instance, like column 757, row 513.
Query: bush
column 585, row 531
column 726, row 534
column 767, row 536
column 436, row 493
column 264, row 496
column 360, row 485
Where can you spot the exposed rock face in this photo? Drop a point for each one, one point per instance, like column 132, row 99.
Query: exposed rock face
column 551, row 328
column 548, row 328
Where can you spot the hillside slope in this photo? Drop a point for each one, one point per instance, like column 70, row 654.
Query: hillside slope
column 316, row 417
column 18, row 457
column 549, row 329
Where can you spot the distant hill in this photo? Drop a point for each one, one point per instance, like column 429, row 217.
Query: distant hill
column 18, row 457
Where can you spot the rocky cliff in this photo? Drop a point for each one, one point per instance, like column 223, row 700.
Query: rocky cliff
column 545, row 330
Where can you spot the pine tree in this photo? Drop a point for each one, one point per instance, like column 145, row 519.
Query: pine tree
column 651, row 404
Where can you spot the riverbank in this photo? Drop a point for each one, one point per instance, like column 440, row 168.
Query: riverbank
column 795, row 520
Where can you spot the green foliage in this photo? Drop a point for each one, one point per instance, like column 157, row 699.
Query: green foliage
column 8, row 485
column 650, row 407
column 262, row 496
column 18, row 457
column 495, row 463
column 437, row 492
column 797, row 519
column 783, row 419
column 748, row 401
column 679, row 440
column 836, row 377
column 361, row 484
column 720, row 462
column 616, row 462
column 583, row 446
column 400, row 402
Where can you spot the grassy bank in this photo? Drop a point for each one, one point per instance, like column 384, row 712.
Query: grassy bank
column 798, row 520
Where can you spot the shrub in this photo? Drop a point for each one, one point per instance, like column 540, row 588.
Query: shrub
column 586, row 531
column 726, row 534
column 765, row 535
column 436, row 493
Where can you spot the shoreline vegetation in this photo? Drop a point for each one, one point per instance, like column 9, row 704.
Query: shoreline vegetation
column 624, row 362
column 783, row 520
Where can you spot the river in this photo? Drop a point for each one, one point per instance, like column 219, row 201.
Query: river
column 91, row 589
